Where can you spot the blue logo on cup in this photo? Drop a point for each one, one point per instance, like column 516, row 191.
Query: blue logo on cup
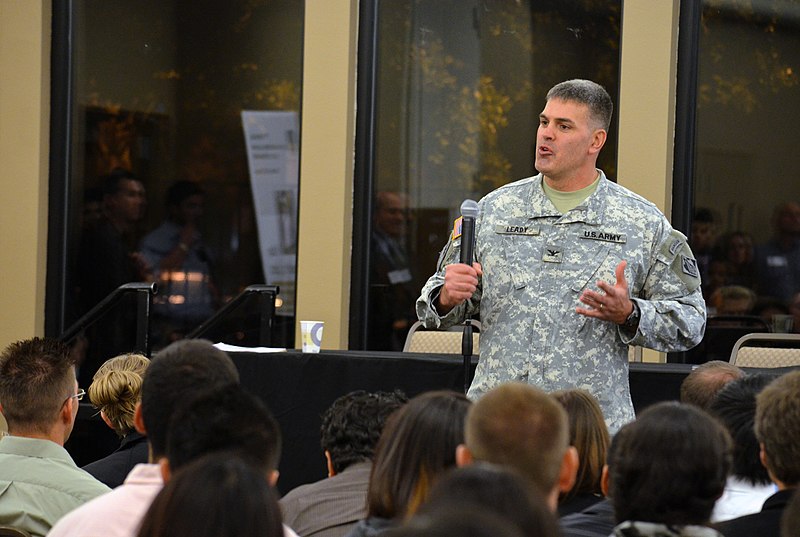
column 316, row 334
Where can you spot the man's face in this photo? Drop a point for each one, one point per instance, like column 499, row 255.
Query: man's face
column 789, row 219
column 189, row 210
column 129, row 202
column 566, row 140
column 392, row 214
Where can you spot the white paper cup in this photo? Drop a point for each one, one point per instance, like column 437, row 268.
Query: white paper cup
column 311, row 335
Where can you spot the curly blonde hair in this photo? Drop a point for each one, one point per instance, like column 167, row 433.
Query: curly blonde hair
column 117, row 387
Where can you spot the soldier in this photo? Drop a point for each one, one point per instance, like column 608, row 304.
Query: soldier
column 571, row 269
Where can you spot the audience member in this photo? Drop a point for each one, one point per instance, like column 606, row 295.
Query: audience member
column 115, row 391
column 703, row 238
column 520, row 426
column 794, row 310
column 790, row 521
column 749, row 484
column 702, row 384
column 107, row 258
column 218, row 495
column 392, row 289
column 732, row 300
column 176, row 374
column 777, row 428
column 416, row 447
column 667, row 469
column 490, row 488
column 588, row 434
column 39, row 398
column 181, row 265
column 778, row 260
column 350, row 431
column 460, row 522
column 738, row 251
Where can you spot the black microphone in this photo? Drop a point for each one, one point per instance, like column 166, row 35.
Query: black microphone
column 469, row 211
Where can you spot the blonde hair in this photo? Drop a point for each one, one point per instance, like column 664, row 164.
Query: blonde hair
column 117, row 387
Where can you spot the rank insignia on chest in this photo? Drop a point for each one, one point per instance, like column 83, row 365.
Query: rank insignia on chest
column 690, row 266
column 552, row 254
column 505, row 229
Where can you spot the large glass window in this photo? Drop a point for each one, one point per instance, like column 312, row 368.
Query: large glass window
column 746, row 225
column 183, row 121
column 458, row 90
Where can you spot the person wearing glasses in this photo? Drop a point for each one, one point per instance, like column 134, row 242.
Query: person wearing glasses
column 39, row 481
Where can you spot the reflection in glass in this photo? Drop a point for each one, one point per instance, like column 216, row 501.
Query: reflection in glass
column 460, row 85
column 159, row 90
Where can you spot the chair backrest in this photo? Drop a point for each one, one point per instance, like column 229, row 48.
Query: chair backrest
column 722, row 333
column 784, row 350
column 448, row 341
column 7, row 531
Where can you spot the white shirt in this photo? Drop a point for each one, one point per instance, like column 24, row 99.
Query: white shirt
column 740, row 498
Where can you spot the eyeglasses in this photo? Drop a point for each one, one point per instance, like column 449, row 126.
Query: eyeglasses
column 79, row 395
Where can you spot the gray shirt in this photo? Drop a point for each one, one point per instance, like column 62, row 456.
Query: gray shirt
column 537, row 262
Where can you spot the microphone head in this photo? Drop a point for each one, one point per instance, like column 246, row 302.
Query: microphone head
column 469, row 209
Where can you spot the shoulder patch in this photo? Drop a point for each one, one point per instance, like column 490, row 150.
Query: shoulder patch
column 457, row 228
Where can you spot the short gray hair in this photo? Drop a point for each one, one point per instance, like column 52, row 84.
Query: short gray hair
column 589, row 93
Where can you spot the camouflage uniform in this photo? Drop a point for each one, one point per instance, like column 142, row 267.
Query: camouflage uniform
column 536, row 263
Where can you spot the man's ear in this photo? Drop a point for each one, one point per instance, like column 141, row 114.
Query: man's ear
column 138, row 419
column 598, row 141
column 272, row 478
column 569, row 470
column 329, row 462
column 605, row 480
column 463, row 456
column 166, row 471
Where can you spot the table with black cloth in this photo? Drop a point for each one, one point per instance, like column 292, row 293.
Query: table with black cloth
column 299, row 387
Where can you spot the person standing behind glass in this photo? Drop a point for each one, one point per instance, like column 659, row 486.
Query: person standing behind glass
column 392, row 291
column 181, row 265
column 779, row 259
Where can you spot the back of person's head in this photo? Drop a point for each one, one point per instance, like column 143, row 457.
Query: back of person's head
column 178, row 372
column 520, row 426
column 701, row 386
column 669, row 466
column 37, row 376
column 735, row 407
column 215, row 496
column 458, row 520
column 588, row 433
column 778, row 427
column 112, row 182
column 182, row 190
column 117, row 387
column 588, row 93
column 352, row 425
column 417, row 445
column 493, row 488
column 225, row 419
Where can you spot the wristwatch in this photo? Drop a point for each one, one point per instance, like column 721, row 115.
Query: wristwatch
column 633, row 319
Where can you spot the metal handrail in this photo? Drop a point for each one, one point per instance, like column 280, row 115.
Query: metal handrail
column 266, row 314
column 144, row 303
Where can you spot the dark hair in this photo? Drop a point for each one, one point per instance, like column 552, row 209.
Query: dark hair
column 488, row 487
column 417, row 444
column 520, row 426
column 456, row 520
column 352, row 425
column 36, row 377
column 181, row 190
column 790, row 521
column 735, row 407
column 177, row 373
column 703, row 383
column 669, row 466
column 778, row 427
column 226, row 419
column 588, row 433
column 589, row 93
column 113, row 180
column 215, row 496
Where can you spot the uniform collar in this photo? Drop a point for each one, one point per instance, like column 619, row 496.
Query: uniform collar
column 590, row 210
